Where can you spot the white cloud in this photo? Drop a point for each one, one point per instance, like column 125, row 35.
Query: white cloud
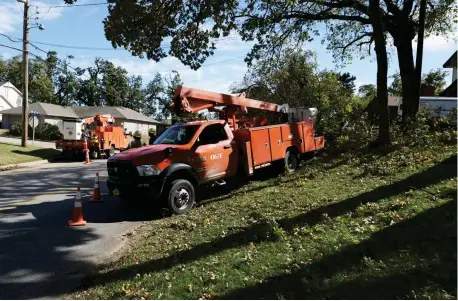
column 437, row 43
column 11, row 14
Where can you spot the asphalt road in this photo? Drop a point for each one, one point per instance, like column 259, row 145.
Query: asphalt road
column 40, row 257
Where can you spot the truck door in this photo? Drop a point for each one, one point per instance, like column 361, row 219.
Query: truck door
column 216, row 152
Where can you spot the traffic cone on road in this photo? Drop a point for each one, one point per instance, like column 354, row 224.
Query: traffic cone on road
column 96, row 193
column 77, row 219
column 87, row 152
column 87, row 158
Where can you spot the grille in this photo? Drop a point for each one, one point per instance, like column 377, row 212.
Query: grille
column 123, row 170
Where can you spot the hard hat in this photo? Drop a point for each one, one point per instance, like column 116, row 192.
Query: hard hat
column 152, row 131
column 137, row 134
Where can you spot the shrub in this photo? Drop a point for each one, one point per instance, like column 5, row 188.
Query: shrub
column 46, row 131
column 43, row 131
column 16, row 129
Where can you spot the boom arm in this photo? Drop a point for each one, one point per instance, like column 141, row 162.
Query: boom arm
column 194, row 100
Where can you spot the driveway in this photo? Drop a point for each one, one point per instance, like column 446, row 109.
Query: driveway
column 17, row 141
column 40, row 257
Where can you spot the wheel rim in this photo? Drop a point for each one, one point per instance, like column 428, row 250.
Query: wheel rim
column 181, row 198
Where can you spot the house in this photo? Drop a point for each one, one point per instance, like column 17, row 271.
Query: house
column 10, row 97
column 55, row 114
column 451, row 91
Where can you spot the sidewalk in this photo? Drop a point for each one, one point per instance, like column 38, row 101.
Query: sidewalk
column 17, row 141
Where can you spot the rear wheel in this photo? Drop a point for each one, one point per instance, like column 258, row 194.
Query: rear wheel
column 291, row 161
column 110, row 152
column 94, row 153
column 180, row 196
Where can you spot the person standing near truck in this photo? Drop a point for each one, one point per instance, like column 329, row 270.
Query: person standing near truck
column 137, row 142
column 152, row 136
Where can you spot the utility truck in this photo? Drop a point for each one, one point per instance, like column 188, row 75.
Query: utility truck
column 100, row 133
column 209, row 151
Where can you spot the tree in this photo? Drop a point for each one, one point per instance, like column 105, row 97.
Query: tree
column 348, row 81
column 154, row 92
column 349, row 27
column 64, row 81
column 295, row 78
column 40, row 84
column 436, row 79
column 172, row 81
column 396, row 86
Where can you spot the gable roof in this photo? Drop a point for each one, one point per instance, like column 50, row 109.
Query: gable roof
column 11, row 86
column 451, row 62
column 116, row 112
column 6, row 100
column 48, row 109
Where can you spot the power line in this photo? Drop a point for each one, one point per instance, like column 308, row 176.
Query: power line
column 106, row 49
column 78, row 5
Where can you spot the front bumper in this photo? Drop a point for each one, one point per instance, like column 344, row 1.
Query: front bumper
column 123, row 177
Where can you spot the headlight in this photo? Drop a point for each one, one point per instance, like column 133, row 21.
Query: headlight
column 148, row 170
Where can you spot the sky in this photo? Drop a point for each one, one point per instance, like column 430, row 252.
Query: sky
column 82, row 27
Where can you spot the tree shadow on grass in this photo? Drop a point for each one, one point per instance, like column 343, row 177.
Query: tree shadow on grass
column 428, row 239
column 42, row 153
column 262, row 231
column 439, row 172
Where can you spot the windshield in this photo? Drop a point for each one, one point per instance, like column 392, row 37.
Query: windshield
column 177, row 134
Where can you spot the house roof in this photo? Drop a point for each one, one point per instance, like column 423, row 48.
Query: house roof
column 6, row 100
column 48, row 109
column 11, row 86
column 451, row 62
column 116, row 112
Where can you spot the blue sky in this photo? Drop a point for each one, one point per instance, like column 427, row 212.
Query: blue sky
column 82, row 26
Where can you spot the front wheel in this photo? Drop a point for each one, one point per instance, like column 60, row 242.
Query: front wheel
column 181, row 196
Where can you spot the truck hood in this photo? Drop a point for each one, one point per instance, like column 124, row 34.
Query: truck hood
column 151, row 154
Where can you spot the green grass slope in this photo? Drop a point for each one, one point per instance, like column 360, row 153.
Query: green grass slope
column 360, row 226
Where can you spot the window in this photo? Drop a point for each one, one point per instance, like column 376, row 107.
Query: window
column 177, row 134
column 212, row 134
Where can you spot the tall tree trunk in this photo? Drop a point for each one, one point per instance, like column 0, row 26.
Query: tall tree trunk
column 410, row 91
column 382, row 73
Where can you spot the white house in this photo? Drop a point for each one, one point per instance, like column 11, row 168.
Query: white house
column 10, row 97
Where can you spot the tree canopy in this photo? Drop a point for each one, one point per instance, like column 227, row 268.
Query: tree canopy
column 347, row 27
column 53, row 80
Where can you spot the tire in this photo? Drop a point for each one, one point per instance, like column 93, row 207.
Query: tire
column 94, row 154
column 110, row 153
column 291, row 162
column 180, row 196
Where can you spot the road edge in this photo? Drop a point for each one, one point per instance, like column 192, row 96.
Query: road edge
column 27, row 164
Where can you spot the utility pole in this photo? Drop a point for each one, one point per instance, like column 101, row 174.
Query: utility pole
column 25, row 65
column 419, row 60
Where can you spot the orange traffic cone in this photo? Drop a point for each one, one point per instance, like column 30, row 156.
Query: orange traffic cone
column 87, row 158
column 87, row 152
column 96, row 193
column 77, row 219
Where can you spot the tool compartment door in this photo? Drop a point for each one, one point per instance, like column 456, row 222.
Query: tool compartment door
column 309, row 137
column 276, row 145
column 260, row 145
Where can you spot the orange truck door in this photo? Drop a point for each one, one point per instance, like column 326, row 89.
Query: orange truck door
column 215, row 153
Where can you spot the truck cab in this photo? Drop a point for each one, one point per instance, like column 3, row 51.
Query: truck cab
column 184, row 156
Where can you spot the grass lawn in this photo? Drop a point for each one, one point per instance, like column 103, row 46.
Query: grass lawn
column 365, row 226
column 13, row 154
